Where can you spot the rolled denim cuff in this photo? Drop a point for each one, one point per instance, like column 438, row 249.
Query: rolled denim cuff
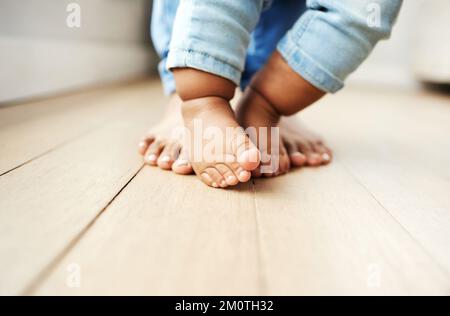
column 179, row 58
column 167, row 79
column 307, row 67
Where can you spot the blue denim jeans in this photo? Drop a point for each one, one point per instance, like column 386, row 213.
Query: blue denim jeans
column 322, row 40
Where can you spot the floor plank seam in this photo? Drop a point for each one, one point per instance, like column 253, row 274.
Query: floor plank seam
column 60, row 145
column 46, row 271
column 261, row 275
column 66, row 142
column 419, row 244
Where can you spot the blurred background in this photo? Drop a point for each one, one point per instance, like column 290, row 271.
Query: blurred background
column 40, row 55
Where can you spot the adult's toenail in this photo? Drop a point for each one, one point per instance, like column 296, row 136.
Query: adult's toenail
column 165, row 159
column 326, row 157
column 152, row 157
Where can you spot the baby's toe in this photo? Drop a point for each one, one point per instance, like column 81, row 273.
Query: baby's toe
column 206, row 178
column 297, row 159
column 285, row 163
column 248, row 155
column 153, row 152
column 182, row 165
column 144, row 143
column 323, row 151
column 168, row 155
column 241, row 174
column 229, row 177
column 312, row 158
column 212, row 177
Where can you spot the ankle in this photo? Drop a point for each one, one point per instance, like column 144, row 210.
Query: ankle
column 194, row 84
column 283, row 88
column 266, row 106
column 200, row 106
column 254, row 108
column 174, row 104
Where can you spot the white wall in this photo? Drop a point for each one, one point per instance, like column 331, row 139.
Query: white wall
column 40, row 54
column 418, row 49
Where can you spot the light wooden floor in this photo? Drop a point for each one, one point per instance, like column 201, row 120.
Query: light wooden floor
column 74, row 197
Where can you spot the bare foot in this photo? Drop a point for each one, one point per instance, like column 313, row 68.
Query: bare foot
column 162, row 145
column 303, row 145
column 297, row 146
column 220, row 152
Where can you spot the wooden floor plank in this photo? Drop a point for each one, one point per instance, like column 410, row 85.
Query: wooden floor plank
column 167, row 235
column 322, row 233
column 319, row 231
column 396, row 145
column 27, row 131
column 376, row 221
column 46, row 203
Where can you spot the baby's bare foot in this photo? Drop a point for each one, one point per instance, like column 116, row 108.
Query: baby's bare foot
column 220, row 152
column 253, row 112
column 304, row 147
column 163, row 144
column 297, row 146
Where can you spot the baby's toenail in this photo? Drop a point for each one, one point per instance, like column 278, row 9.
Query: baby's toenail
column 214, row 185
column 326, row 157
column 230, row 178
column 206, row 177
column 223, row 183
column 243, row 174
column 182, row 162
column 142, row 144
column 165, row 159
